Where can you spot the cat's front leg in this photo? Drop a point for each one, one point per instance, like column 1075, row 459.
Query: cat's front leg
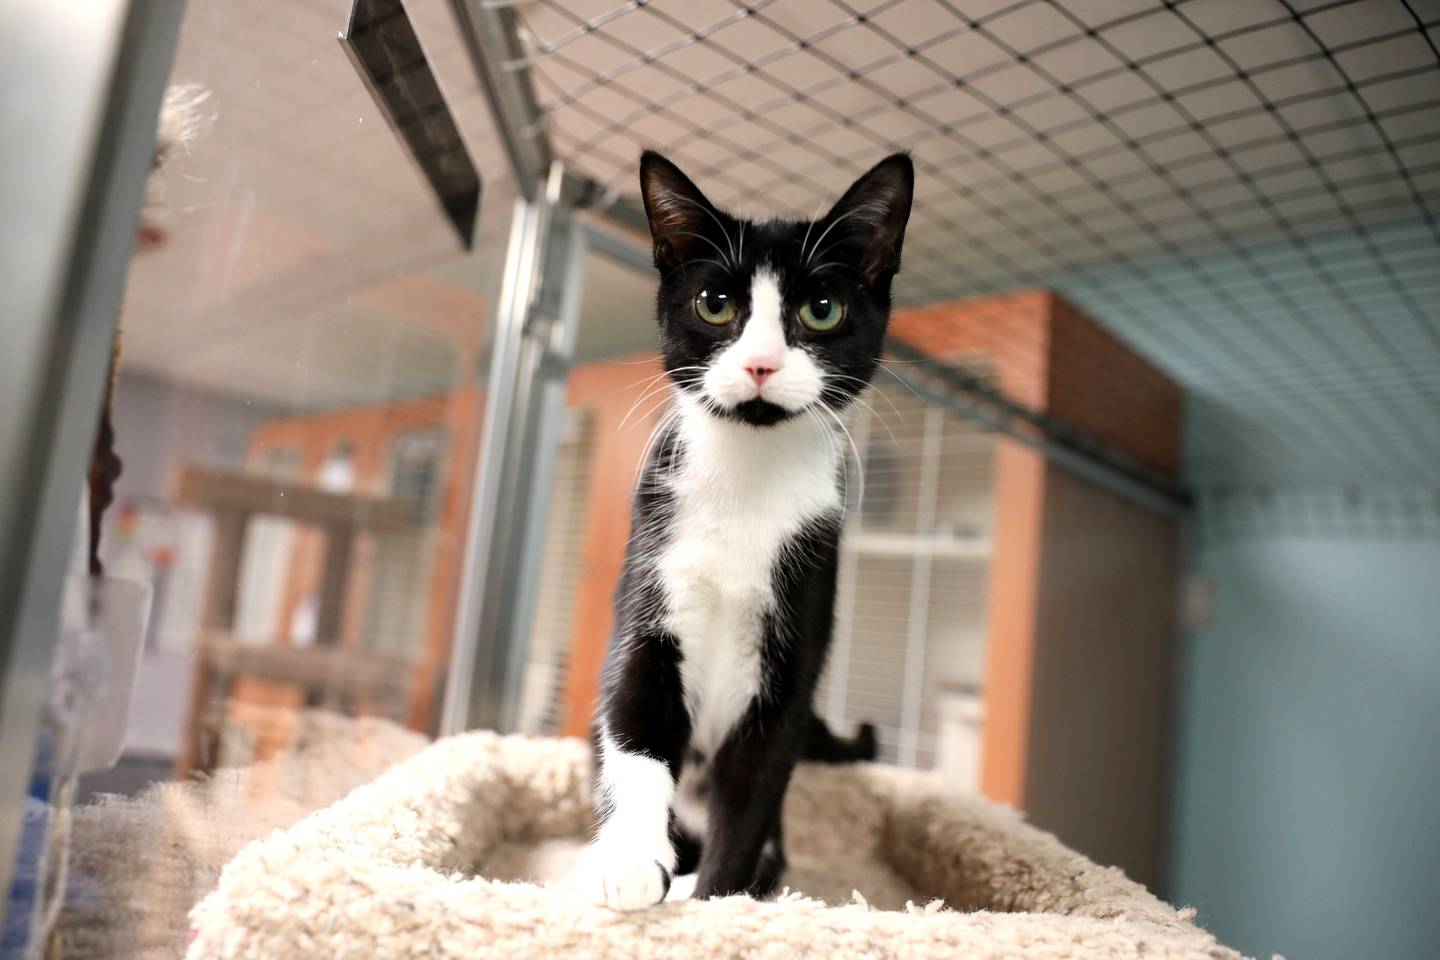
column 743, row 852
column 642, row 732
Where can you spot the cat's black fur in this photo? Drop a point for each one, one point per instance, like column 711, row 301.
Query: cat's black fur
column 852, row 253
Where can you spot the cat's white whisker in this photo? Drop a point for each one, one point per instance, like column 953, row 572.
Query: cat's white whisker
column 833, row 224
column 668, row 378
column 723, row 232
column 866, row 388
column 859, row 401
column 859, row 463
column 648, row 392
column 701, row 236
column 657, row 436
column 646, row 380
column 828, row 264
column 901, row 381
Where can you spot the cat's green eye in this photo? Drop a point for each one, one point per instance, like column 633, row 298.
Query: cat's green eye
column 715, row 307
column 822, row 312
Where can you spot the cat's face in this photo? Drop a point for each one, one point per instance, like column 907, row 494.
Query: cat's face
column 761, row 321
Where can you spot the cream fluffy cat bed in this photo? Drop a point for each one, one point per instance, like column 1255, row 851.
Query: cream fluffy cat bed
column 438, row 858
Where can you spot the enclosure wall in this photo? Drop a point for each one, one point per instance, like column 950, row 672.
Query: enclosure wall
column 1099, row 729
column 1308, row 768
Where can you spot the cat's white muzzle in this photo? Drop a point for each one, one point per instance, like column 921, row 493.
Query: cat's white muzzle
column 760, row 364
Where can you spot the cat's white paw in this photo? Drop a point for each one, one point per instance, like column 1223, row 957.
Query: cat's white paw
column 622, row 881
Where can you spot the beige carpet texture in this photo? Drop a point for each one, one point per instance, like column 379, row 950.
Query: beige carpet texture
column 464, row 850
column 138, row 865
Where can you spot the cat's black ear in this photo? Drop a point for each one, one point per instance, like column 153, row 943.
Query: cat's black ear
column 873, row 213
column 681, row 218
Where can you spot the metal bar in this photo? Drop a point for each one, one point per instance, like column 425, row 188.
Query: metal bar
column 996, row 412
column 468, row 655
column 917, row 632
column 82, row 100
column 492, row 43
column 621, row 247
column 529, row 365
column 381, row 45
column 503, row 72
column 626, row 213
column 562, row 284
column 525, row 397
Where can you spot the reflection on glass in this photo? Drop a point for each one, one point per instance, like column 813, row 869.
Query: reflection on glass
column 295, row 404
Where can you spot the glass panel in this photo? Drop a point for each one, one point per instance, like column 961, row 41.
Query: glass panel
column 296, row 405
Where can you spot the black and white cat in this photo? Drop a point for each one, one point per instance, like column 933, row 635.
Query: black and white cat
column 769, row 330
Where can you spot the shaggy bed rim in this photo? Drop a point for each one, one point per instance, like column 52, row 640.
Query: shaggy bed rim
column 390, row 871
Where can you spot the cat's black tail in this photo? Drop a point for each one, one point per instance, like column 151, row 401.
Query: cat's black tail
column 823, row 746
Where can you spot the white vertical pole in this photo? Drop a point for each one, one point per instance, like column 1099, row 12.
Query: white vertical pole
column 836, row 700
column 522, row 267
column 918, row 625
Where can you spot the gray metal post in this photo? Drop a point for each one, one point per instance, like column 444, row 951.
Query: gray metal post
column 554, row 319
column 488, row 32
column 525, row 395
column 524, row 404
column 82, row 85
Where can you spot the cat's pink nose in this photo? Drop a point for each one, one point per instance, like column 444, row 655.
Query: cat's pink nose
column 761, row 369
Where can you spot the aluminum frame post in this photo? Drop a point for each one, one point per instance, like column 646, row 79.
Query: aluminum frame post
column 81, row 106
column 488, row 31
column 524, row 409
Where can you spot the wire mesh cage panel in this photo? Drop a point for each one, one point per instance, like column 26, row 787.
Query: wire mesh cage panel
column 909, row 647
column 547, row 663
column 1190, row 244
column 1241, row 191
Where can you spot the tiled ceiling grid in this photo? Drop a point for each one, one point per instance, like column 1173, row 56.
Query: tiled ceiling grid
column 1243, row 191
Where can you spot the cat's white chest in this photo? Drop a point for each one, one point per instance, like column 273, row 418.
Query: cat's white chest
column 741, row 495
